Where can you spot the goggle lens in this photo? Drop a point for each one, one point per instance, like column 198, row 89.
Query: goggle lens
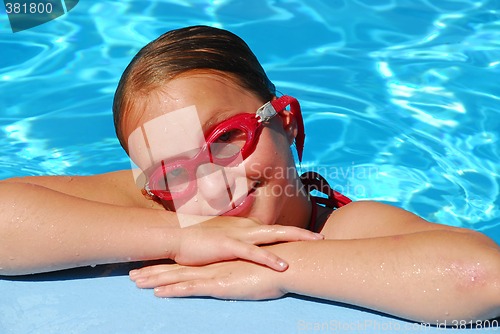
column 177, row 180
column 229, row 144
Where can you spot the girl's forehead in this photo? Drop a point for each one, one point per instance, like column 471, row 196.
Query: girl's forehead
column 214, row 95
column 213, row 91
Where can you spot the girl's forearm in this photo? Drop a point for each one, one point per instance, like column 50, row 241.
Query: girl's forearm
column 422, row 276
column 45, row 230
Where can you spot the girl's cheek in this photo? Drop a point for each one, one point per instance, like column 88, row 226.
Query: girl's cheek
column 271, row 159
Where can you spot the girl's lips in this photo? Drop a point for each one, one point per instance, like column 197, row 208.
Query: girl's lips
column 244, row 205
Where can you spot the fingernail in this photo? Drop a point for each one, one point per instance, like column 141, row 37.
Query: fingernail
column 159, row 289
column 282, row 264
column 319, row 236
column 133, row 273
column 141, row 280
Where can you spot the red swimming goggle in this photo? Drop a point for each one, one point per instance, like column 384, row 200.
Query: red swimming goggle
column 227, row 144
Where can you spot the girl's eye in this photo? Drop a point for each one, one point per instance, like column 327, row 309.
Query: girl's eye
column 177, row 179
column 231, row 136
column 225, row 137
column 175, row 173
column 228, row 144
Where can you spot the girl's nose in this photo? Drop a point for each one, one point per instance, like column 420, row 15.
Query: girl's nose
column 219, row 185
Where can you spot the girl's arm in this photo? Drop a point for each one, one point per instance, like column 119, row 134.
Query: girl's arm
column 430, row 276
column 425, row 274
column 116, row 188
column 42, row 229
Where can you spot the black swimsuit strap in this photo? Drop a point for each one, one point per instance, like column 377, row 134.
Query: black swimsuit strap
column 334, row 200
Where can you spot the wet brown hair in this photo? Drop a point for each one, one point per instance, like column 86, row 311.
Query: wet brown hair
column 182, row 50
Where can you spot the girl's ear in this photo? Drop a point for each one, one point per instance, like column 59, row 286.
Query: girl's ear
column 290, row 126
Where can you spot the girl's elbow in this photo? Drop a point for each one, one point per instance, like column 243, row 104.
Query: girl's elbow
column 492, row 291
column 480, row 283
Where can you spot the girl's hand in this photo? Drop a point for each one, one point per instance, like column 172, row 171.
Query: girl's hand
column 235, row 238
column 228, row 280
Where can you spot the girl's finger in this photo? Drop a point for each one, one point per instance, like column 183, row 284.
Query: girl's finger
column 152, row 270
column 187, row 289
column 256, row 254
column 171, row 277
column 271, row 234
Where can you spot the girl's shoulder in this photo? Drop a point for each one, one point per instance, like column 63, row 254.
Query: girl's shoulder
column 369, row 219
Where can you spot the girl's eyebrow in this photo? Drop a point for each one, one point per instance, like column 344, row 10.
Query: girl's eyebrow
column 220, row 116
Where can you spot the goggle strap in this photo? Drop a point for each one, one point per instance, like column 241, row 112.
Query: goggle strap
column 279, row 105
column 314, row 181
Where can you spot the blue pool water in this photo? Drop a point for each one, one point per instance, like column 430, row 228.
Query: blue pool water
column 400, row 98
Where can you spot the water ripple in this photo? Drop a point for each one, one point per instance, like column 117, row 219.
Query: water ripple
column 453, row 124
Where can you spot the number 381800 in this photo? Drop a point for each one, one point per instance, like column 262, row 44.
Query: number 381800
column 25, row 8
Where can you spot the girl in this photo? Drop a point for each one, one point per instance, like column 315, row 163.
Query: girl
column 199, row 117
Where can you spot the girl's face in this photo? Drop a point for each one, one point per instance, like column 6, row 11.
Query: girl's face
column 174, row 119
